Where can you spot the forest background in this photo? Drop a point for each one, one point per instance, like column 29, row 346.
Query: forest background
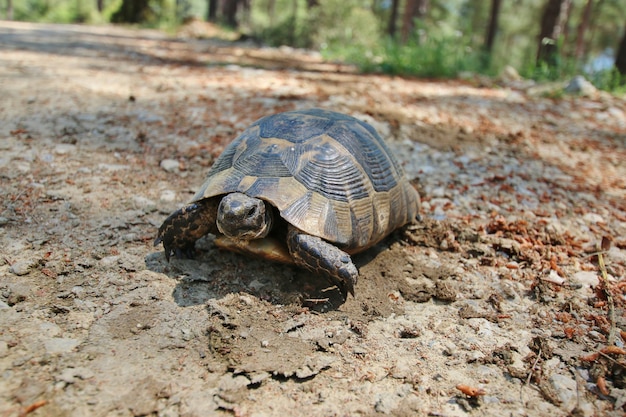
column 540, row 39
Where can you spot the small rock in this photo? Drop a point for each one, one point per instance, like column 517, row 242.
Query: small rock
column 258, row 377
column 149, row 117
column 59, row 345
column 168, row 196
column 48, row 329
column 313, row 366
column 588, row 279
column 387, row 402
column 4, row 348
column 565, row 388
column 69, row 375
column 3, row 221
column 554, row 278
column 509, row 74
column 21, row 166
column 579, row 85
column 593, row 218
column 112, row 167
column 144, row 204
column 64, row 149
column 16, row 293
column 142, row 399
column 170, row 165
column 617, row 255
column 22, row 267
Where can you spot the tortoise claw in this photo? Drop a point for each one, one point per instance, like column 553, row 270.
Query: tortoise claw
column 317, row 255
column 182, row 228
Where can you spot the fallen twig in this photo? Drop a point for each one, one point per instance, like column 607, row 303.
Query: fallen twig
column 604, row 245
column 30, row 408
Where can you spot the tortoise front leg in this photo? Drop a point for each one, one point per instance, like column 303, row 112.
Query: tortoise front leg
column 317, row 255
column 183, row 227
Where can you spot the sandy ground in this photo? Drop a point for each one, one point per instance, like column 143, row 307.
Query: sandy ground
column 493, row 305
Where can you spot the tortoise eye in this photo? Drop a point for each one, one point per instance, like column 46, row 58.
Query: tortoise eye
column 252, row 211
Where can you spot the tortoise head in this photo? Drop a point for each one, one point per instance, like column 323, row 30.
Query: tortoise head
column 243, row 218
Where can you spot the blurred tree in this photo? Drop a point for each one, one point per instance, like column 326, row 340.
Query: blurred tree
column 9, row 9
column 553, row 21
column 100, row 5
column 492, row 27
column 620, row 58
column 413, row 9
column 585, row 18
column 211, row 10
column 271, row 12
column 393, row 17
column 132, row 11
column 490, row 35
column 229, row 10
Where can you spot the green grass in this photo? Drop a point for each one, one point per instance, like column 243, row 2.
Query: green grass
column 433, row 58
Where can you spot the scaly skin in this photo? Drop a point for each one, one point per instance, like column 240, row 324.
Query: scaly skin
column 182, row 228
column 317, row 255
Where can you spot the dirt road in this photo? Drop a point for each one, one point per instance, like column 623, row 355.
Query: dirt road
column 492, row 306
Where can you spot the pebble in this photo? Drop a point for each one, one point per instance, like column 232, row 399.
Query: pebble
column 586, row 278
column 20, row 268
column 64, row 149
column 387, row 402
column 112, row 167
column 48, row 329
column 4, row 349
column 616, row 254
column 509, row 74
column 147, row 117
column 554, row 278
column 565, row 388
column 59, row 345
column 579, row 85
column 170, row 165
column 144, row 204
column 593, row 218
column 70, row 375
column 168, row 196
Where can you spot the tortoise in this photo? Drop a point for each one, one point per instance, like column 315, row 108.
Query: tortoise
column 306, row 187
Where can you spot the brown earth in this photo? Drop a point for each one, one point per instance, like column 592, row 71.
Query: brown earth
column 493, row 305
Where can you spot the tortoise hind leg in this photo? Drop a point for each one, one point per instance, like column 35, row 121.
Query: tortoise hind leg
column 317, row 255
column 183, row 227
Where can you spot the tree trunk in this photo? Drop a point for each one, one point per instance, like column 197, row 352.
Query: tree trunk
column 492, row 27
column 552, row 22
column 9, row 9
column 292, row 26
column 211, row 10
column 229, row 10
column 620, row 58
column 410, row 10
column 132, row 11
column 245, row 11
column 413, row 9
column 393, row 17
column 582, row 29
column 99, row 5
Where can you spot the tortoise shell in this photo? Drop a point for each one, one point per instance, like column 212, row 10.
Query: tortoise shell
column 328, row 174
